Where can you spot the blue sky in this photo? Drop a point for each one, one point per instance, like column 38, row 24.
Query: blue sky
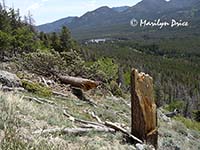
column 45, row 11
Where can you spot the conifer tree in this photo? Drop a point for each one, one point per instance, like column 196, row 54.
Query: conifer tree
column 55, row 41
column 66, row 43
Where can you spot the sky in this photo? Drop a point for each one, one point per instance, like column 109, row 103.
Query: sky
column 45, row 11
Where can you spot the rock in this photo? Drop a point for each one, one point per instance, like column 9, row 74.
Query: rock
column 140, row 147
column 164, row 118
column 9, row 79
column 144, row 147
column 2, row 135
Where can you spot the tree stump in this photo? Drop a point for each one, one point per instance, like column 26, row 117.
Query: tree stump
column 143, row 108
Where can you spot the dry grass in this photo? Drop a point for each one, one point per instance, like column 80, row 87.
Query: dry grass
column 20, row 118
column 175, row 135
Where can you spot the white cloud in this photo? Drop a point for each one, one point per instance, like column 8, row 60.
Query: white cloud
column 34, row 6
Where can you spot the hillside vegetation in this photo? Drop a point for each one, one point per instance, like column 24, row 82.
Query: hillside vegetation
column 42, row 111
column 176, row 77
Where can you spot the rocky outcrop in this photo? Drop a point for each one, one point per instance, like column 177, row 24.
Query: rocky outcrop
column 144, row 117
column 9, row 79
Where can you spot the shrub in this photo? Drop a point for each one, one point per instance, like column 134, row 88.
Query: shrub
column 48, row 62
column 189, row 123
column 75, row 64
column 36, row 88
column 43, row 62
column 115, row 89
column 5, row 40
column 127, row 78
column 24, row 40
column 197, row 115
column 177, row 104
column 105, row 69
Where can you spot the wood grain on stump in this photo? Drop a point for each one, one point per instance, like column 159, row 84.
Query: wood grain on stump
column 143, row 108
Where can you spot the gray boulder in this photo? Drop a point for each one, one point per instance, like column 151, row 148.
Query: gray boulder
column 9, row 79
column 144, row 147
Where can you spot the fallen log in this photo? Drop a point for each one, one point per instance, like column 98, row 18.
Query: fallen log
column 45, row 82
column 118, row 128
column 95, row 116
column 81, row 120
column 172, row 114
column 82, row 83
column 34, row 99
column 59, row 94
column 40, row 100
column 9, row 89
column 106, row 124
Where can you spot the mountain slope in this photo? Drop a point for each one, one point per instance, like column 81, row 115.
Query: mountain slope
column 100, row 17
column 56, row 25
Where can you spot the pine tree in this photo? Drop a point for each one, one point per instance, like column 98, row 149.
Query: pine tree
column 55, row 42
column 66, row 43
column 45, row 39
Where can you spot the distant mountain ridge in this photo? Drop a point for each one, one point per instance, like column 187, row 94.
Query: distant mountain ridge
column 56, row 25
column 106, row 21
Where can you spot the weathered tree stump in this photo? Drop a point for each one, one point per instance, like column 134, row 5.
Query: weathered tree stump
column 143, row 108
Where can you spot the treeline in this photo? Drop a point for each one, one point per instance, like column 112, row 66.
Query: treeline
column 36, row 51
column 15, row 35
column 19, row 36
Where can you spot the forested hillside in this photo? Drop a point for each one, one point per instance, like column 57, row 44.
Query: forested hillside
column 176, row 71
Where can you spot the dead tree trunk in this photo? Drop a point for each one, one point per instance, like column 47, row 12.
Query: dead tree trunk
column 82, row 83
column 143, row 108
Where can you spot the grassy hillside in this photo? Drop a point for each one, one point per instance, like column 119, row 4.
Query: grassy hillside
column 20, row 118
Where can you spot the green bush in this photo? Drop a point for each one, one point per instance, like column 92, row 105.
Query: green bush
column 74, row 62
column 5, row 40
column 105, row 69
column 36, row 88
column 43, row 62
column 177, row 104
column 127, row 78
column 197, row 115
column 189, row 123
column 24, row 40
column 115, row 89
